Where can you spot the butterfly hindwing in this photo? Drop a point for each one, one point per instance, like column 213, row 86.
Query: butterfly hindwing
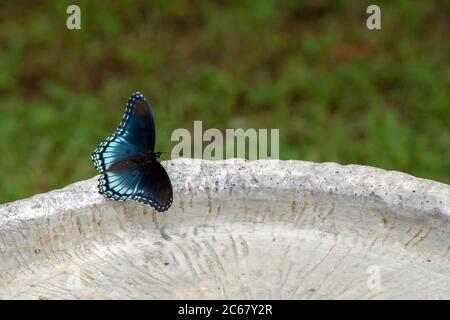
column 155, row 188
column 147, row 183
column 119, row 185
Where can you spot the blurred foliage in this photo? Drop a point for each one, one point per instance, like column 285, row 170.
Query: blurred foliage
column 337, row 91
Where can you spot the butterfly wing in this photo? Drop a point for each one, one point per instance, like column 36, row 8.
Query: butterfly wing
column 120, row 185
column 135, row 134
column 147, row 183
column 155, row 188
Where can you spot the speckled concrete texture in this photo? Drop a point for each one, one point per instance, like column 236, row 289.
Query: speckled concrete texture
column 237, row 229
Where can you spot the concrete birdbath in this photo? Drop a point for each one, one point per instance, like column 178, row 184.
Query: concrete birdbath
column 237, row 229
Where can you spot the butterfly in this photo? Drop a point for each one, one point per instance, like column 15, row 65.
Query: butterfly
column 127, row 162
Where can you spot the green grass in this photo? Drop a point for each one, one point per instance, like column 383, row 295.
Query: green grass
column 337, row 91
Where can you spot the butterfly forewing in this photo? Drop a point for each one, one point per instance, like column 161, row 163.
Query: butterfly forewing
column 135, row 134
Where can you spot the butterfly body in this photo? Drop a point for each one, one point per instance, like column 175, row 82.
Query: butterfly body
column 137, row 161
column 128, row 163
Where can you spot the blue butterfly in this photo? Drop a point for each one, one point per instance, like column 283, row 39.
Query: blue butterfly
column 128, row 163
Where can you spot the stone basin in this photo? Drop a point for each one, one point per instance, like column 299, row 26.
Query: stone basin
column 237, row 230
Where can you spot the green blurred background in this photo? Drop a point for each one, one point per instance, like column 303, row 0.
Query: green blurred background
column 337, row 91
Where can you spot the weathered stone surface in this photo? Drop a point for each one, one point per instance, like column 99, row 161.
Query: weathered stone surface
column 237, row 229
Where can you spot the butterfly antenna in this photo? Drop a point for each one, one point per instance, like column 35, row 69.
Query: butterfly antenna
column 163, row 152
